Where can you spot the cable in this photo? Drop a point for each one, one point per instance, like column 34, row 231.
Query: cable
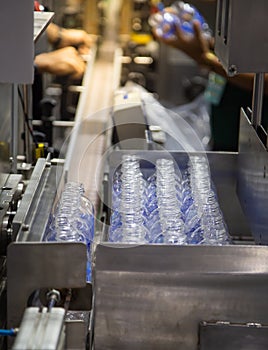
column 26, row 117
column 8, row 332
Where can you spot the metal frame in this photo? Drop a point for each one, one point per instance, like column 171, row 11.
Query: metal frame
column 155, row 296
column 33, row 264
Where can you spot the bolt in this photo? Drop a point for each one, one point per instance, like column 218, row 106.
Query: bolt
column 232, row 70
column 54, row 294
column 25, row 227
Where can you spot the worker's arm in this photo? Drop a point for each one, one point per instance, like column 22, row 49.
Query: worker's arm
column 199, row 49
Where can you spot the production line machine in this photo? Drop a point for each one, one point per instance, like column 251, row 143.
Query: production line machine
column 149, row 296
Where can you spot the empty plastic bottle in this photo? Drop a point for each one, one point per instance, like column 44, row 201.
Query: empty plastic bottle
column 168, row 208
column 180, row 15
column 127, row 223
column 73, row 220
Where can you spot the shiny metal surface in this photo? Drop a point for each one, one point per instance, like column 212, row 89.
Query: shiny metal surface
column 224, row 336
column 9, row 199
column 10, row 192
column 41, row 330
column 41, row 21
column 154, row 297
column 240, row 32
column 33, row 190
column 16, row 44
column 35, row 265
column 257, row 102
column 77, row 327
column 253, row 181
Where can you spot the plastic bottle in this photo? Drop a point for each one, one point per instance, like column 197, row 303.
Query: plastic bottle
column 214, row 228
column 165, row 23
column 73, row 220
column 169, row 207
column 180, row 15
column 169, row 203
column 127, row 221
column 207, row 219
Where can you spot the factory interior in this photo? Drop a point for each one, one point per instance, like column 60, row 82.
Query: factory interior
column 133, row 161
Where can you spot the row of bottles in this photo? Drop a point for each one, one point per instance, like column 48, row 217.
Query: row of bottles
column 170, row 206
column 73, row 220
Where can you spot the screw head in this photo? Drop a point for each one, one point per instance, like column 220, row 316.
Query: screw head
column 55, row 294
column 25, row 227
column 232, row 70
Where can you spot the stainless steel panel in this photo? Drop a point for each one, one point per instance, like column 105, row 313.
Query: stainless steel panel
column 240, row 35
column 31, row 219
column 41, row 21
column 77, row 327
column 224, row 336
column 41, row 330
column 253, row 181
column 154, row 297
column 16, row 44
column 9, row 198
column 35, row 265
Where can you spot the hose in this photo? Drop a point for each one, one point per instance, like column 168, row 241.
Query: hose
column 8, row 332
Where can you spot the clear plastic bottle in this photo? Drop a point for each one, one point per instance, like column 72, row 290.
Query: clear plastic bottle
column 73, row 220
column 165, row 23
column 214, row 227
column 181, row 15
column 205, row 220
column 188, row 13
column 169, row 203
column 127, row 221
column 169, row 207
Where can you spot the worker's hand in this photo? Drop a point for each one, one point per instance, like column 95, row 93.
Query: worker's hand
column 196, row 46
column 65, row 61
column 61, row 37
column 76, row 37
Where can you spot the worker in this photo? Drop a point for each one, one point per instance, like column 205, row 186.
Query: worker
column 238, row 90
column 65, row 58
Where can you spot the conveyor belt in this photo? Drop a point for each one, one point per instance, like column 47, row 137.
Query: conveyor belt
column 88, row 138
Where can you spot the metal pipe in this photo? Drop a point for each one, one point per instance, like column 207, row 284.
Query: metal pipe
column 257, row 99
